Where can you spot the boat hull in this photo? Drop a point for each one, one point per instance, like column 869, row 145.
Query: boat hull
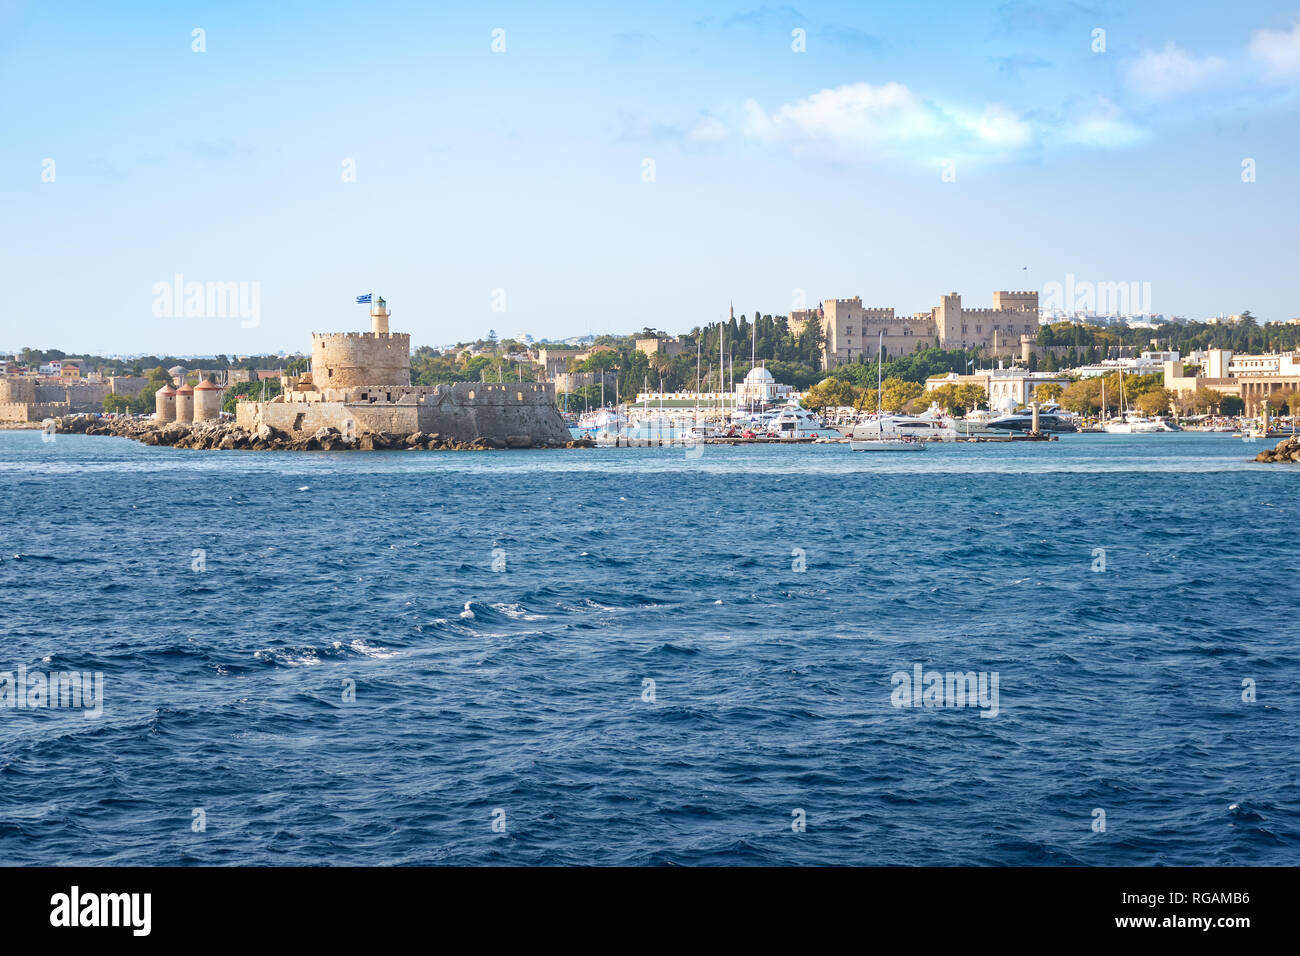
column 886, row 444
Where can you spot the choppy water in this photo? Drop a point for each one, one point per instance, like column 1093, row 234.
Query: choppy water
column 522, row 690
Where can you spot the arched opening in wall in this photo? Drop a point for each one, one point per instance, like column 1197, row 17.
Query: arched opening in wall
column 471, row 394
column 519, row 396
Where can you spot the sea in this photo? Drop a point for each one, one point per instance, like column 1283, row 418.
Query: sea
column 1078, row 652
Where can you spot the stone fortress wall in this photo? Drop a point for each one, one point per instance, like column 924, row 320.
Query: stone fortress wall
column 360, row 383
column 24, row 398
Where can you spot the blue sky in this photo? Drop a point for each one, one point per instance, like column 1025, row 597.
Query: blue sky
column 524, row 170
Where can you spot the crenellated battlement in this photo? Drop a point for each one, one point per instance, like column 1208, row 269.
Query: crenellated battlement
column 333, row 336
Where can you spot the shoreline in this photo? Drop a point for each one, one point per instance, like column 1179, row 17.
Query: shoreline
column 228, row 436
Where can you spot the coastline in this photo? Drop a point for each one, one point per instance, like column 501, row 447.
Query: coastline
column 229, row 436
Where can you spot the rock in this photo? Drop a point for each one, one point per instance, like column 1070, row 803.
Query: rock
column 518, row 441
column 1287, row 451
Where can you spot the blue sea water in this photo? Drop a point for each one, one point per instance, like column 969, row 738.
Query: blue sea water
column 770, row 594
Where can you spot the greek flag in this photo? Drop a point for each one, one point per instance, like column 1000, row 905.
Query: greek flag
column 363, row 298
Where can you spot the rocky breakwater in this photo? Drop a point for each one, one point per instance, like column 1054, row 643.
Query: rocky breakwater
column 227, row 436
column 1287, row 450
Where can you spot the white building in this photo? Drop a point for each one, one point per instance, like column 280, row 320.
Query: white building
column 1148, row 363
column 1007, row 388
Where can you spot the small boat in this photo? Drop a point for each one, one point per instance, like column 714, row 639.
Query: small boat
column 887, row 444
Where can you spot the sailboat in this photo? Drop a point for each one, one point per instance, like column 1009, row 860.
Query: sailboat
column 884, row 444
column 1130, row 421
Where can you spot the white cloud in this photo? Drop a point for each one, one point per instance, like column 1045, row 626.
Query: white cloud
column 1102, row 127
column 1171, row 72
column 1277, row 50
column 709, row 129
column 1000, row 126
column 860, row 121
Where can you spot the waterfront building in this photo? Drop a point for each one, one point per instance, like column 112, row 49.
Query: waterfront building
column 1251, row 377
column 1007, row 388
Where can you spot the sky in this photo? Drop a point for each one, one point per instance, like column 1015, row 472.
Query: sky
column 571, row 168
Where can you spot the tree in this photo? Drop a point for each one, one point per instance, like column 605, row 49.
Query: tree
column 1206, row 400
column 117, row 402
column 1283, row 398
column 895, row 393
column 1082, row 397
column 945, row 396
column 970, row 397
column 830, row 393
column 1153, row 402
column 1048, row 392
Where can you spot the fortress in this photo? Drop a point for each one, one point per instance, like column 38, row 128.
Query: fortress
column 25, row 398
column 360, row 383
column 850, row 330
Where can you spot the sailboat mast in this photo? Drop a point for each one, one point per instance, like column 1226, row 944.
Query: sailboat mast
column 880, row 361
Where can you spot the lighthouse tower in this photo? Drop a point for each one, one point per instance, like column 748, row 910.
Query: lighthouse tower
column 379, row 317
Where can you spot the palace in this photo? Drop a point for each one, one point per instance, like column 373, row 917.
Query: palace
column 851, row 331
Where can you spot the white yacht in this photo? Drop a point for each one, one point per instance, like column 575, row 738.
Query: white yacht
column 795, row 421
column 1132, row 424
column 931, row 426
column 883, row 432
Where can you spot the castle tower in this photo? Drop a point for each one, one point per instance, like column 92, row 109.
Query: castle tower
column 947, row 320
column 164, row 404
column 379, row 317
column 352, row 359
column 207, row 402
column 185, row 404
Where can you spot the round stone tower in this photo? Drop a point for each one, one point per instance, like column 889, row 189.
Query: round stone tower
column 185, row 403
column 350, row 359
column 207, row 402
column 164, row 404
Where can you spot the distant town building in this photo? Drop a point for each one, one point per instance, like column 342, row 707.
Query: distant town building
column 1253, row 378
column 667, row 347
column 552, row 361
column 1148, row 363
